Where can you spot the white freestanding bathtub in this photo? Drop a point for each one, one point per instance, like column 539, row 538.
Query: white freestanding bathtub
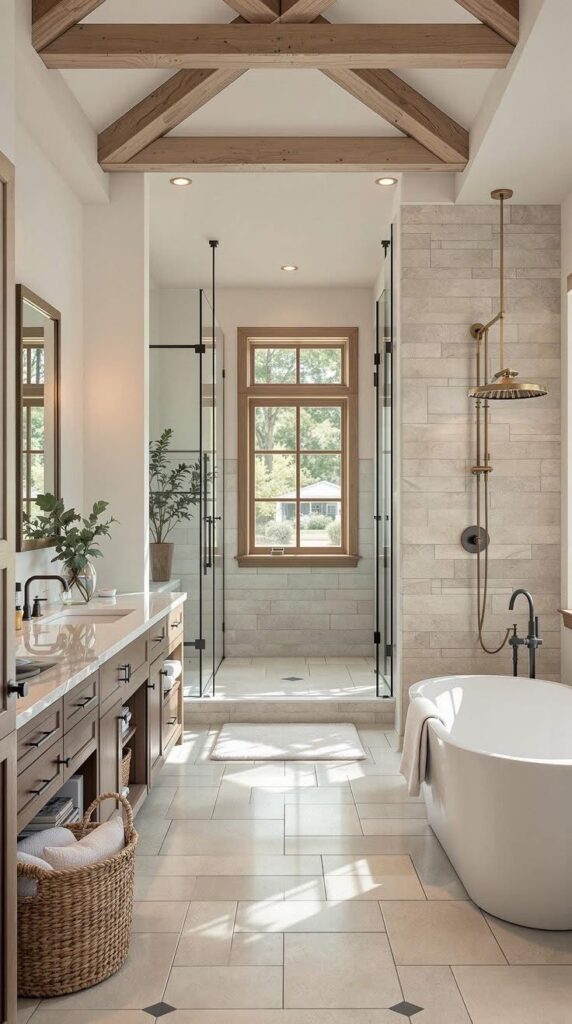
column 499, row 792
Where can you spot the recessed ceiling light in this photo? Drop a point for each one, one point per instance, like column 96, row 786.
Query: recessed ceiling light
column 289, row 267
column 386, row 181
column 181, row 181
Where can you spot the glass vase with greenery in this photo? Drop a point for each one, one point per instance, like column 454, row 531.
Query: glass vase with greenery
column 174, row 491
column 74, row 537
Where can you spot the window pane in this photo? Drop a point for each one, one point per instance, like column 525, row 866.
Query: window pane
column 275, row 524
column 275, row 476
column 320, row 365
column 37, row 474
column 37, row 428
column 320, row 477
column 321, row 526
column 321, row 428
column 274, row 365
column 275, row 427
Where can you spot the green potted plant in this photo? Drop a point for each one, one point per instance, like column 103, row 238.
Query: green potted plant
column 174, row 490
column 75, row 538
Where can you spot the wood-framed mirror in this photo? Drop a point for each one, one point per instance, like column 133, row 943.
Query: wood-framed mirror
column 38, row 327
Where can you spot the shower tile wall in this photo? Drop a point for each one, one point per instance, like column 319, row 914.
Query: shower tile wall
column 449, row 280
column 289, row 611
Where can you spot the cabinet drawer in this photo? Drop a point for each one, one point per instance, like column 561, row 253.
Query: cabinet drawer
column 40, row 782
column 80, row 742
column 37, row 735
column 158, row 638
column 171, row 713
column 176, row 624
column 80, row 702
column 116, row 673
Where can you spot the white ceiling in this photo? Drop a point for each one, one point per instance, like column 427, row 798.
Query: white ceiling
column 330, row 225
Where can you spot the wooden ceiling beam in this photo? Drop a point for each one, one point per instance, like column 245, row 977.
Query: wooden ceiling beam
column 247, row 46
column 401, row 105
column 299, row 11
column 500, row 15
column 52, row 17
column 380, row 155
column 162, row 110
column 256, row 11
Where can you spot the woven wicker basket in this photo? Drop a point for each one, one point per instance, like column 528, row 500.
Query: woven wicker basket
column 74, row 931
column 125, row 766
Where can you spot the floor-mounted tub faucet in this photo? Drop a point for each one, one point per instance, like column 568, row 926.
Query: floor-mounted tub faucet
column 532, row 641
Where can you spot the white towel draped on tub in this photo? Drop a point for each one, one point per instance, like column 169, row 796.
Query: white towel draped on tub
column 415, row 743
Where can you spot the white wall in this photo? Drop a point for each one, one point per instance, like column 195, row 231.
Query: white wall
column 307, row 611
column 49, row 260
column 116, row 262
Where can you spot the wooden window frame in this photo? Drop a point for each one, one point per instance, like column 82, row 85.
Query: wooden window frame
column 251, row 395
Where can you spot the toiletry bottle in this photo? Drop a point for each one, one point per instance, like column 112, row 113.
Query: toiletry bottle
column 18, row 612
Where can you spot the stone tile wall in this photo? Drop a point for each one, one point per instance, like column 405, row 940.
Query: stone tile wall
column 290, row 611
column 449, row 280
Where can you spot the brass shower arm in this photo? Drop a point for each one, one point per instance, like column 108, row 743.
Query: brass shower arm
column 479, row 330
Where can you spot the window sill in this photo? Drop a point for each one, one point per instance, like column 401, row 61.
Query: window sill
column 299, row 561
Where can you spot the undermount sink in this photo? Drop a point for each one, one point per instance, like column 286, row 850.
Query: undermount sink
column 82, row 616
column 26, row 668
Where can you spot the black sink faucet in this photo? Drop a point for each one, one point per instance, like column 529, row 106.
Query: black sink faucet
column 532, row 641
column 27, row 615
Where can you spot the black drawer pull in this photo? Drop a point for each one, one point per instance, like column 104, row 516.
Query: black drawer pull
column 150, row 686
column 126, row 669
column 64, row 760
column 158, row 639
column 86, row 700
column 44, row 737
column 45, row 784
column 124, row 717
column 175, row 625
column 172, row 721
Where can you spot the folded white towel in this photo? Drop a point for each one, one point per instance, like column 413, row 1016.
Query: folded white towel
column 172, row 668
column 413, row 765
column 104, row 841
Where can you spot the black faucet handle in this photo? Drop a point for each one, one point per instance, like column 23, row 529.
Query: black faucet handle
column 37, row 609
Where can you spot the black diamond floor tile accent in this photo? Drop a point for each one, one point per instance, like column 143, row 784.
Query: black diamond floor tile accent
column 292, row 679
column 406, row 1009
column 158, row 1009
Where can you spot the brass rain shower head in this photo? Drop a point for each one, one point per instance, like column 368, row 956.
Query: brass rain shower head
column 505, row 385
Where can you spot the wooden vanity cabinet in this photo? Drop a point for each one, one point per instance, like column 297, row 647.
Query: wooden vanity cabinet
column 123, row 671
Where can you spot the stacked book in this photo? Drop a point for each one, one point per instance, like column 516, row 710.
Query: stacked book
column 58, row 811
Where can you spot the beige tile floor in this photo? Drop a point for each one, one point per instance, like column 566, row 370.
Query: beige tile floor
column 264, row 895
column 271, row 678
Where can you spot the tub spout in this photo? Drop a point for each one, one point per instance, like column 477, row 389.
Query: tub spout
column 532, row 641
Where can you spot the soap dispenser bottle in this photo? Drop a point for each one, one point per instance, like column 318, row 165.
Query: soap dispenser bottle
column 18, row 610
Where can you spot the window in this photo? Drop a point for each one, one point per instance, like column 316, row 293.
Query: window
column 297, row 434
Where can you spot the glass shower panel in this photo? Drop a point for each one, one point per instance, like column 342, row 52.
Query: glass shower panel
column 207, row 629
column 187, row 397
column 384, row 480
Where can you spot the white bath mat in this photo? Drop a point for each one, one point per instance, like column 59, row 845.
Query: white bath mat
column 242, row 741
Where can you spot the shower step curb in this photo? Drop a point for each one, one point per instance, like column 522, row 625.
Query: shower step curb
column 217, row 710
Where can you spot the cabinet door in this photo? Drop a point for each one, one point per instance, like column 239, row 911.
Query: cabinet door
column 110, row 755
column 8, row 876
column 154, row 692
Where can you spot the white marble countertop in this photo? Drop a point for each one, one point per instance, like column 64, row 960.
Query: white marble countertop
column 79, row 647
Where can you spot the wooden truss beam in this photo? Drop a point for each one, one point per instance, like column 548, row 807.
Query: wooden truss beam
column 162, row 110
column 404, row 107
column 52, row 17
column 244, row 46
column 256, row 10
column 500, row 15
column 303, row 10
column 179, row 154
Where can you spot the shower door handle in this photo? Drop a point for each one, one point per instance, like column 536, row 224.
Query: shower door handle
column 209, row 557
column 206, row 517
